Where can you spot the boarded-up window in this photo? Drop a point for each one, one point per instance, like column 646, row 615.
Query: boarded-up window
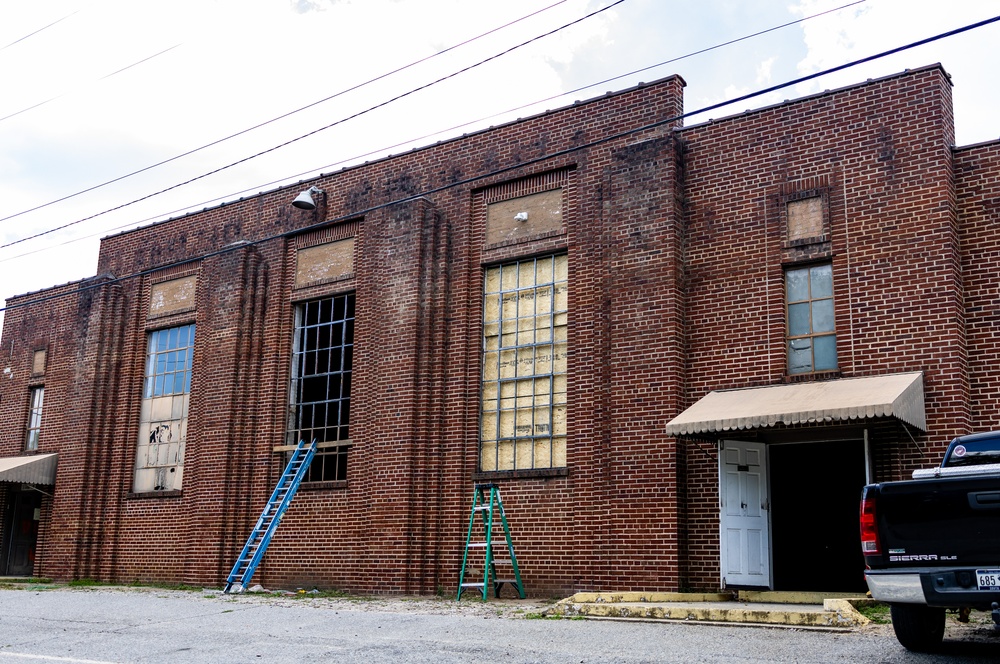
column 322, row 366
column 159, row 463
column 523, row 423
column 38, row 363
column 805, row 218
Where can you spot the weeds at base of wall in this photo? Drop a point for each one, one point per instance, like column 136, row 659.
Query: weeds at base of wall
column 877, row 613
column 546, row 616
column 300, row 593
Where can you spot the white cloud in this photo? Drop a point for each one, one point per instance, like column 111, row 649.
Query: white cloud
column 764, row 70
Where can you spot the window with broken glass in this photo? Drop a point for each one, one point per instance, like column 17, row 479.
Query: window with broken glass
column 320, row 400
column 35, row 418
column 523, row 418
column 163, row 418
column 812, row 339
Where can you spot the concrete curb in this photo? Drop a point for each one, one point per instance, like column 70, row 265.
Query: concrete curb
column 836, row 612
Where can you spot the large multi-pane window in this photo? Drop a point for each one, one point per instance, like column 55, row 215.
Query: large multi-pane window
column 523, row 419
column 35, row 418
column 323, row 359
column 159, row 464
column 812, row 339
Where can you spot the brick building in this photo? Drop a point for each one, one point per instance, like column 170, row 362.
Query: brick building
column 679, row 351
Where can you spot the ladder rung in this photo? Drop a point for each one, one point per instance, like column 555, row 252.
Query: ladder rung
column 478, row 545
column 472, row 585
column 482, row 508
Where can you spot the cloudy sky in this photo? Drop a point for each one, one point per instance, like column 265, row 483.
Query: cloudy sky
column 96, row 90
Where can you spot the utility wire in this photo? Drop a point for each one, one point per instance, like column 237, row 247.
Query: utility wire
column 30, row 34
column 704, row 50
column 519, row 166
column 265, row 123
column 440, row 131
column 59, row 96
column 426, row 136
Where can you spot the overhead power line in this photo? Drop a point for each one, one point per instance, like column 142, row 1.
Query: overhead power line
column 354, row 214
column 31, row 34
column 265, row 123
column 409, row 141
column 106, row 76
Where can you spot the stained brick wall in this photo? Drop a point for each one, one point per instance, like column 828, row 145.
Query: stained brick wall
column 676, row 246
column 398, row 524
column 880, row 155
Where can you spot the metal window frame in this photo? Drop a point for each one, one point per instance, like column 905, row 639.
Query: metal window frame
column 36, row 401
column 812, row 335
column 330, row 462
column 551, row 344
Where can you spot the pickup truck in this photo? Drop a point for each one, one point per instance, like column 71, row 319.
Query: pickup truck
column 933, row 543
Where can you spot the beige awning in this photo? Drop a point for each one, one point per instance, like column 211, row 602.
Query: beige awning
column 35, row 469
column 900, row 396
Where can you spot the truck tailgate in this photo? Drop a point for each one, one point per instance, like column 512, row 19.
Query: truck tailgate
column 948, row 521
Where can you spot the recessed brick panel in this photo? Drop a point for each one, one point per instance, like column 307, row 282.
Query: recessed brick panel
column 324, row 263
column 173, row 296
column 524, row 217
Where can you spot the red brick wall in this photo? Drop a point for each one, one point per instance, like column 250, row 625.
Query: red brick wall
column 977, row 176
column 676, row 255
column 399, row 524
column 881, row 155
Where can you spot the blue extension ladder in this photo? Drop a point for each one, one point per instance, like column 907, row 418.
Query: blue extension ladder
column 260, row 537
column 486, row 501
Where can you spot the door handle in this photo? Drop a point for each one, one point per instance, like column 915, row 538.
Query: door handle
column 986, row 500
column 743, row 505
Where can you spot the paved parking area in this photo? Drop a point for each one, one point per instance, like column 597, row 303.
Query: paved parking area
column 97, row 625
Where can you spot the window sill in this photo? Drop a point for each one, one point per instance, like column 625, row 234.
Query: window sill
column 538, row 473
column 320, row 486
column 818, row 375
column 319, row 446
column 174, row 493
column 805, row 241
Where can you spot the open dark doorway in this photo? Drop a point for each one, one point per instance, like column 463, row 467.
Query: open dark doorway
column 815, row 493
column 20, row 533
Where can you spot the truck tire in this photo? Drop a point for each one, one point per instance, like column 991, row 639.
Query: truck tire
column 918, row 628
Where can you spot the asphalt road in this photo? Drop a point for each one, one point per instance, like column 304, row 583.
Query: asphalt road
column 149, row 625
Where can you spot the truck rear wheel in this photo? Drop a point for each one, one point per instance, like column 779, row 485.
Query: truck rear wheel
column 918, row 628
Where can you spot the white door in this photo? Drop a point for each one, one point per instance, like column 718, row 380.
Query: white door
column 744, row 536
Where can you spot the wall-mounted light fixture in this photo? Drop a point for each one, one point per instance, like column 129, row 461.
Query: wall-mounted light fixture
column 521, row 216
column 304, row 201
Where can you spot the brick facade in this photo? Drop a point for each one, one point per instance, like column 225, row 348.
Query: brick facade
column 677, row 243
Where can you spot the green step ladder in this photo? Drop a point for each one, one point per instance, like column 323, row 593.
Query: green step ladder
column 260, row 537
column 486, row 502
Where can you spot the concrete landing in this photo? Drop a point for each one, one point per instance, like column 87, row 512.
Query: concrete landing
column 823, row 610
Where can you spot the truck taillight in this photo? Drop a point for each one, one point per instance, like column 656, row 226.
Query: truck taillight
column 869, row 530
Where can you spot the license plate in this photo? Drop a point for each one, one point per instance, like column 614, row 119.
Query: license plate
column 989, row 579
